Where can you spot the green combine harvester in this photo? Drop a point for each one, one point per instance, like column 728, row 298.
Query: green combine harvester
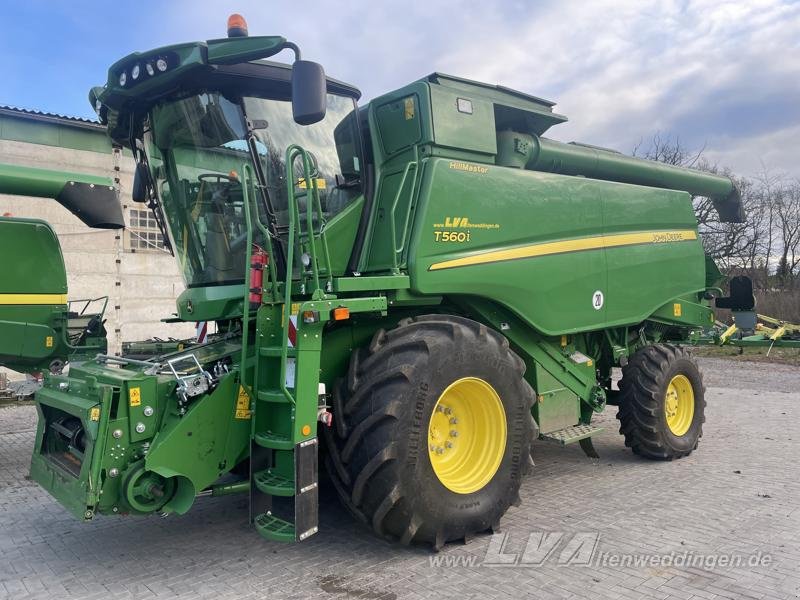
column 424, row 283
column 40, row 329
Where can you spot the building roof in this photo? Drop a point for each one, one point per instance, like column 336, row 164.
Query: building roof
column 49, row 117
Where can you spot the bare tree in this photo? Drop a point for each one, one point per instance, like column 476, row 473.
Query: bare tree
column 788, row 224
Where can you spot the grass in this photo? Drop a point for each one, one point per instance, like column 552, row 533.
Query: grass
column 782, row 356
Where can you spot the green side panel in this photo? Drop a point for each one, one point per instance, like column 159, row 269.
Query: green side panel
column 506, row 208
column 471, row 128
column 398, row 123
column 392, row 136
column 73, row 481
column 38, row 265
column 643, row 277
column 466, row 210
column 25, row 338
column 210, row 303
column 340, row 233
column 30, row 330
column 206, row 442
column 556, row 407
column 393, row 206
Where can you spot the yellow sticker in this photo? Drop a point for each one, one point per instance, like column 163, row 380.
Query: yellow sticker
column 135, row 396
column 677, row 309
column 295, row 308
column 242, row 404
column 94, row 414
column 408, row 108
column 301, row 183
column 468, row 167
column 48, row 341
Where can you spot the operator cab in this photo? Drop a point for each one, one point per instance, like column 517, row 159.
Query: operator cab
column 196, row 146
column 201, row 117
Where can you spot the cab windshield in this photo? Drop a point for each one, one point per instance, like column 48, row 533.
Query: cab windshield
column 196, row 148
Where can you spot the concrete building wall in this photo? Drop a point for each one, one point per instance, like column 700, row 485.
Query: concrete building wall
column 141, row 283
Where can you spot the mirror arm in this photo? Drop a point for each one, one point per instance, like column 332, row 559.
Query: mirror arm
column 294, row 48
column 140, row 157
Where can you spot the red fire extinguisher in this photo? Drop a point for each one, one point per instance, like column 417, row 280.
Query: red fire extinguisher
column 258, row 262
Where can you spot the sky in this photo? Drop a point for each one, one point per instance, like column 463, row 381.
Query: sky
column 719, row 75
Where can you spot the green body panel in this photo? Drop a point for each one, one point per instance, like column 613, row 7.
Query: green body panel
column 556, row 407
column 33, row 292
column 499, row 208
column 74, row 482
column 206, row 443
column 38, row 265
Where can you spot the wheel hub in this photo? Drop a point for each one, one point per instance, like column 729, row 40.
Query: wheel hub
column 467, row 435
column 679, row 405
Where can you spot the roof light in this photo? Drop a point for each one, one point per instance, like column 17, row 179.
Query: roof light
column 150, row 69
column 123, row 78
column 135, row 71
column 161, row 64
column 237, row 26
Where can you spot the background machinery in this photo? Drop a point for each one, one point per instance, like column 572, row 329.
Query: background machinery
column 423, row 282
column 40, row 329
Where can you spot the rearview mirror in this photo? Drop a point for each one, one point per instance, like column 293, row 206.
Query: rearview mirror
column 139, row 190
column 309, row 89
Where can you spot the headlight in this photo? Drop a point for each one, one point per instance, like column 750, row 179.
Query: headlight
column 135, row 71
column 123, row 78
column 149, row 68
column 161, row 65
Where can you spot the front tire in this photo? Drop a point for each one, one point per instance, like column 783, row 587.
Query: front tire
column 433, row 429
column 661, row 402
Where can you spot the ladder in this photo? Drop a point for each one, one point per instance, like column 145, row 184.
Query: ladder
column 284, row 394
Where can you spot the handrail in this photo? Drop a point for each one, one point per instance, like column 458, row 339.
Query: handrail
column 294, row 232
column 88, row 302
column 392, row 224
column 312, row 205
column 250, row 176
column 65, row 331
column 246, row 179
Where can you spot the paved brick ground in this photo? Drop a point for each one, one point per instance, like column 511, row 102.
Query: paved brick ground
column 736, row 497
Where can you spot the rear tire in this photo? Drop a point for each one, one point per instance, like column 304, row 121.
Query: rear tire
column 382, row 458
column 661, row 402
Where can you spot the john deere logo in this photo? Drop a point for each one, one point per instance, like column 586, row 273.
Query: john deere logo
column 597, row 300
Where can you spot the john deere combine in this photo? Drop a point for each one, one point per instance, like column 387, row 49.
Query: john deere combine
column 39, row 328
column 424, row 282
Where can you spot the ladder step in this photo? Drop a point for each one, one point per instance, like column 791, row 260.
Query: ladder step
column 276, row 396
column 274, row 528
column 276, row 441
column 274, row 484
column 275, row 352
column 572, row 434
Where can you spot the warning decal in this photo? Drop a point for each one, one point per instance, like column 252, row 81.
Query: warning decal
column 242, row 404
column 135, row 396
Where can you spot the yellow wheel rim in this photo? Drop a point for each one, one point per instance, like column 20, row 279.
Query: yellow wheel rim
column 679, row 404
column 467, row 435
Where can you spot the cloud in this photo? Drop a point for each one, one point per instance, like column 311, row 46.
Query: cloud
column 717, row 73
